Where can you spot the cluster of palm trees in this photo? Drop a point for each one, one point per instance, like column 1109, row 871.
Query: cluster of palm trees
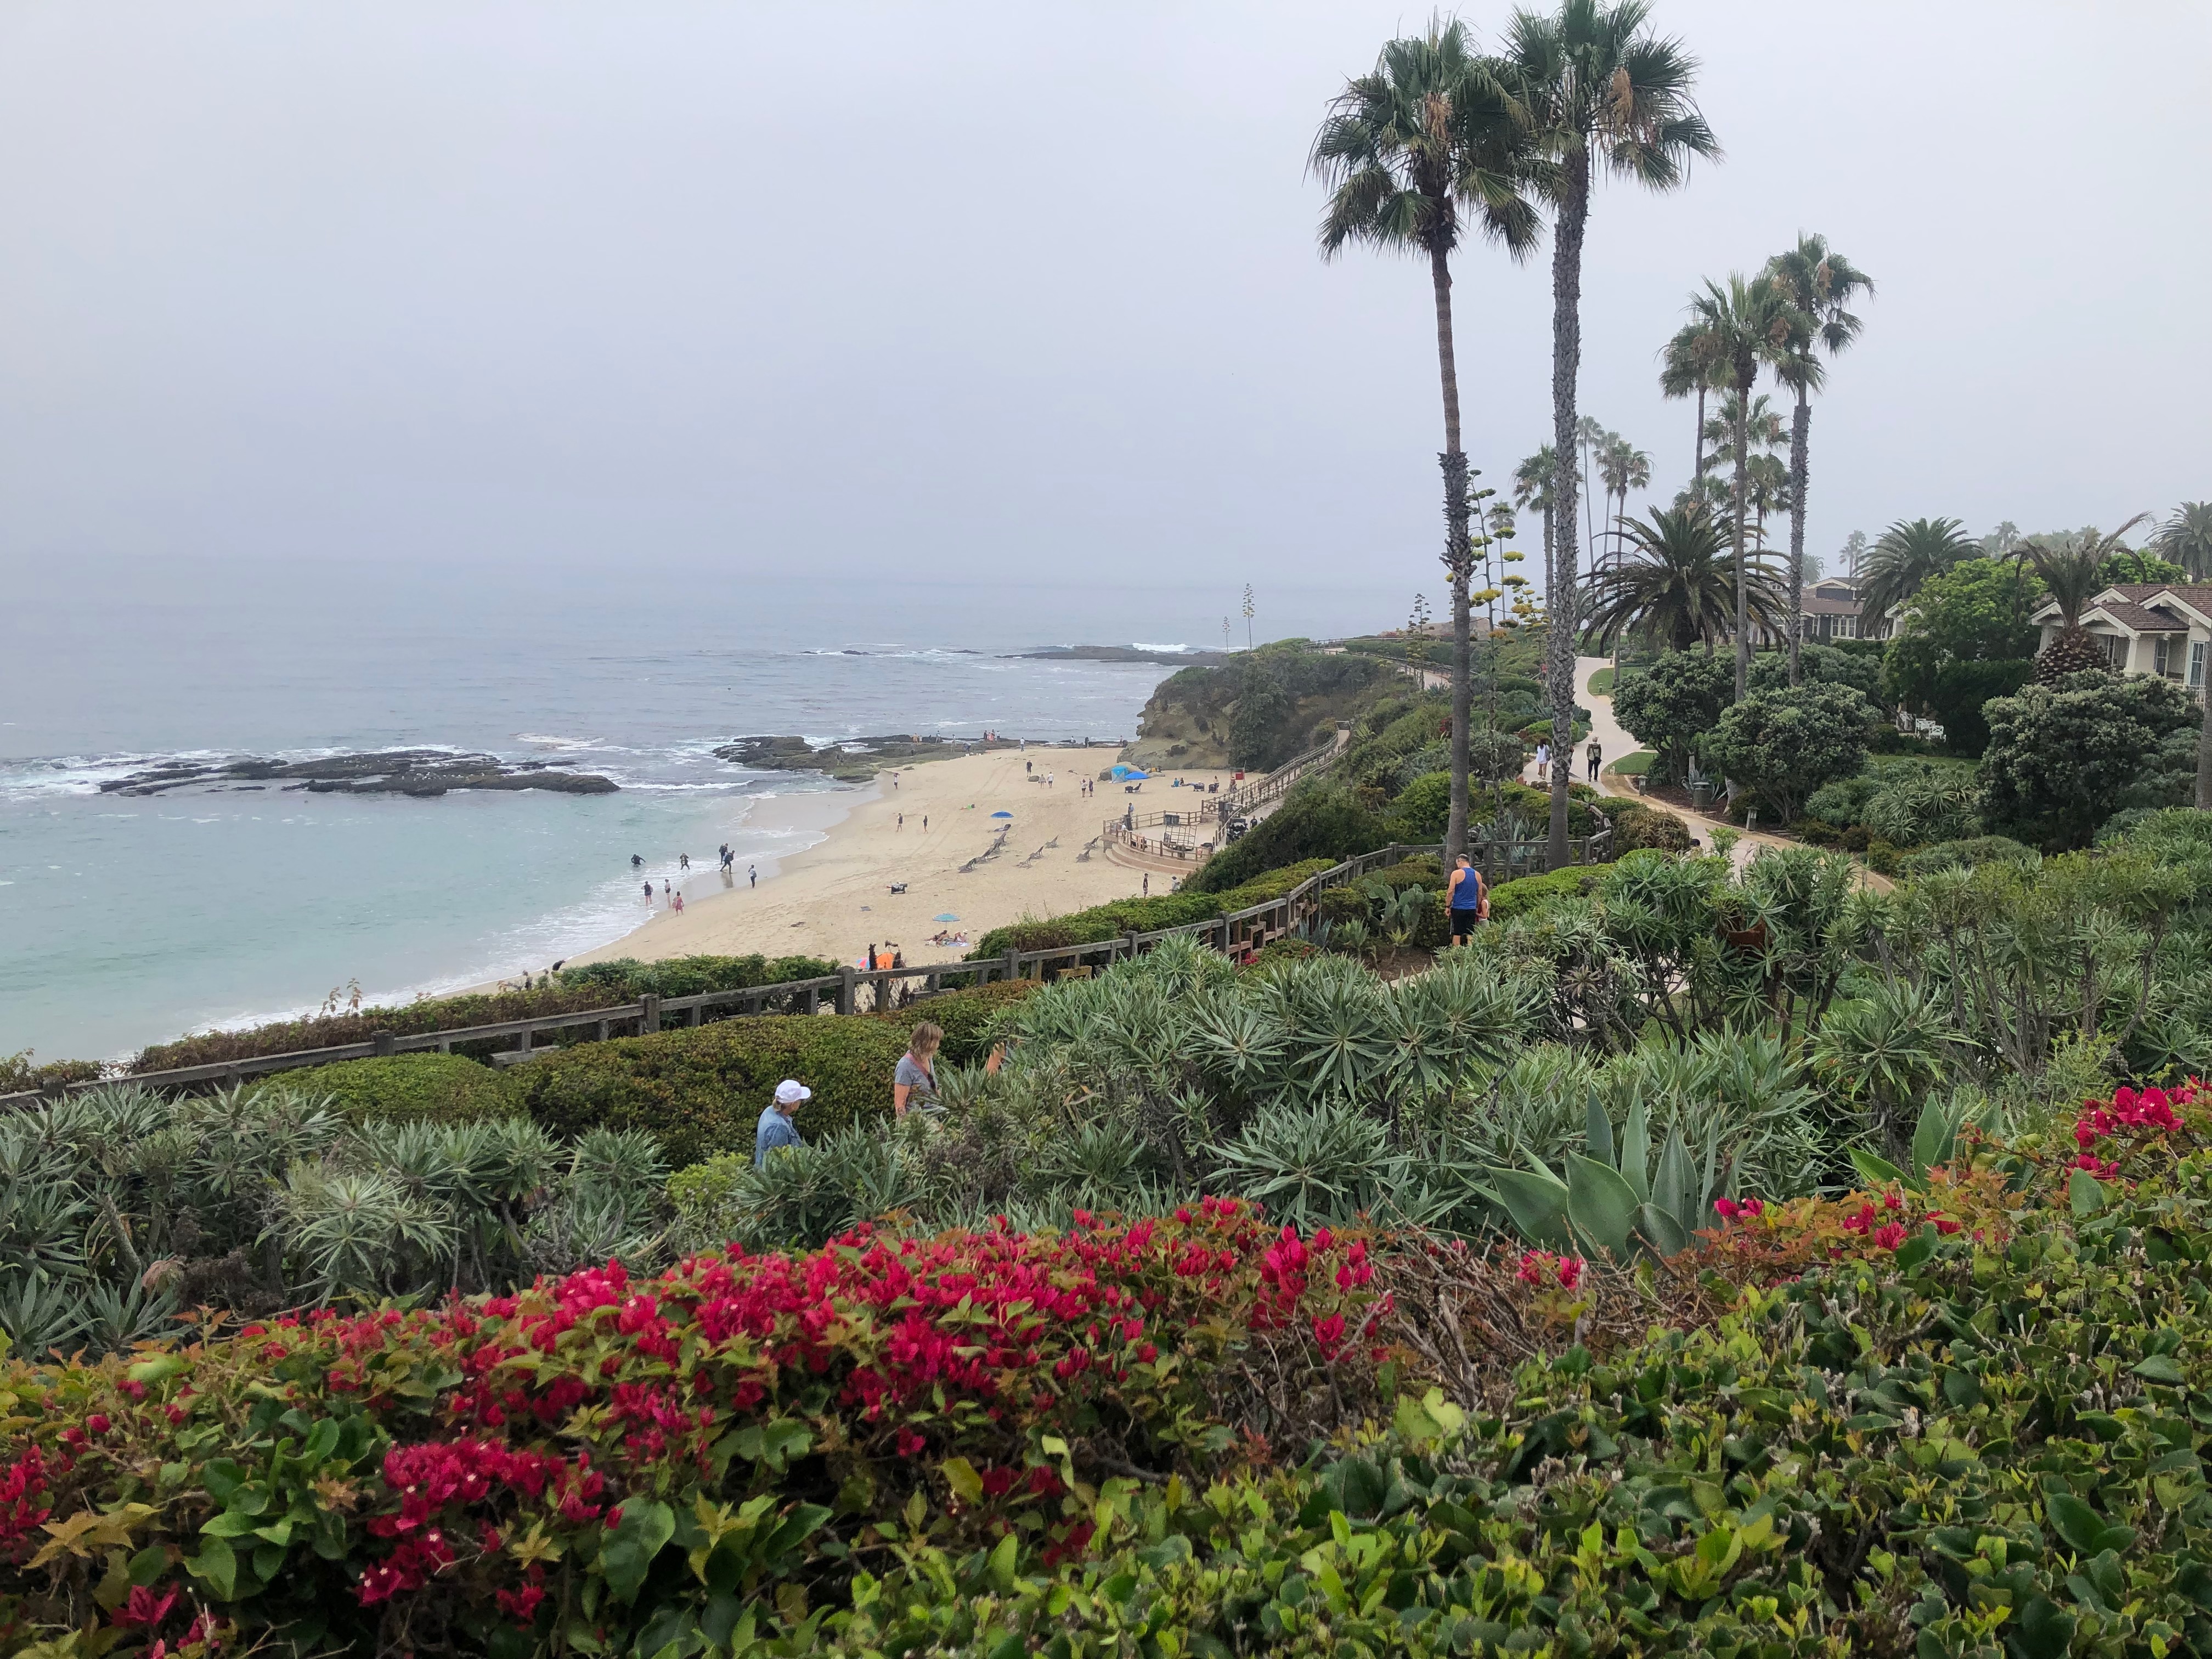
column 1440, row 141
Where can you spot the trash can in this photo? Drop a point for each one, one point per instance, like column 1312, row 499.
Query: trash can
column 1701, row 795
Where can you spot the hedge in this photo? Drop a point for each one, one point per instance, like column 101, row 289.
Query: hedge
column 599, row 985
column 1517, row 898
column 1318, row 819
column 1967, row 852
column 1106, row 921
column 1636, row 826
column 700, row 1091
column 439, row 1088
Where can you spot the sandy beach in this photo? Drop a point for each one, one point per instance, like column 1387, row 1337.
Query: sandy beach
column 834, row 899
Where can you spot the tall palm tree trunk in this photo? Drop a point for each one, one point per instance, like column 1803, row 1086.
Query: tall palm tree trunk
column 1743, row 574
column 1559, row 602
column 1458, row 555
column 1697, row 468
column 1801, row 428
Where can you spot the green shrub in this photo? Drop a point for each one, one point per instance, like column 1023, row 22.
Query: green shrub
column 1817, row 832
column 1636, row 826
column 1857, row 839
column 1109, row 922
column 1420, row 870
column 1883, row 859
column 596, row 985
column 20, row 1074
column 1842, row 803
column 1517, row 898
column 438, row 1088
column 626, row 979
column 1320, row 819
column 1965, row 854
column 701, row 1092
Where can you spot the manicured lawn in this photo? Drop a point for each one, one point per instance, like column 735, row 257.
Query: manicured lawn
column 1635, row 765
column 1601, row 683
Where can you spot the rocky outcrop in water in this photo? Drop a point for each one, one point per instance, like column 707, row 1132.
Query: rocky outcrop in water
column 420, row 772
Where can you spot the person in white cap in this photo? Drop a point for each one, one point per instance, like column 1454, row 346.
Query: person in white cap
column 775, row 1128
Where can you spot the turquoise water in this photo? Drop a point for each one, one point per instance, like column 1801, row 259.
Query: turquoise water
column 129, row 920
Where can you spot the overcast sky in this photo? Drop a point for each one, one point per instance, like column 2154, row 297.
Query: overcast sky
column 986, row 289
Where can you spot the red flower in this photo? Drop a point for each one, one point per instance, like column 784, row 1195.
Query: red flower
column 1887, row 1238
column 144, row 1609
column 1571, row 1271
column 98, row 1423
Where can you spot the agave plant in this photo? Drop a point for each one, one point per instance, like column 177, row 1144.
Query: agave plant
column 1615, row 1200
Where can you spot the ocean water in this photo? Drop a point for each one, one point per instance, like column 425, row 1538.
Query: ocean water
column 129, row 919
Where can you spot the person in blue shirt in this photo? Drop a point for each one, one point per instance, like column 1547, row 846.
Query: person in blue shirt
column 776, row 1129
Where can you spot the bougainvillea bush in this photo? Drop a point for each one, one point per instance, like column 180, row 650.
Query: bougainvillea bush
column 1962, row 1414
column 599, row 1462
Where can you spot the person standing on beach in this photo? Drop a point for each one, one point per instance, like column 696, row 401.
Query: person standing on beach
column 649, row 892
column 676, row 904
column 752, row 875
column 902, row 822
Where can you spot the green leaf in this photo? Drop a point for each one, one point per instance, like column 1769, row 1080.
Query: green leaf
column 1600, row 1133
column 1934, row 1136
column 1538, row 1205
column 1675, row 1189
column 2085, row 1193
column 1635, row 1150
column 1662, row 1231
column 627, row 1552
column 216, row 1566
column 2045, row 1630
column 1875, row 1171
column 1001, row 1565
column 223, row 1479
column 1600, row 1203
column 2088, row 1532
column 1915, row 1250
column 231, row 1523
column 2159, row 1368
column 960, row 1474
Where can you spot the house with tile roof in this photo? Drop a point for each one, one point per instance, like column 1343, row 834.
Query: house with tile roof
column 2145, row 628
column 1830, row 609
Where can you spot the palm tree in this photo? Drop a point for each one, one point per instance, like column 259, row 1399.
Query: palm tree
column 1820, row 283
column 1905, row 556
column 1767, row 492
column 1599, row 94
column 1752, row 325
column 1762, row 427
column 1621, row 467
column 1426, row 145
column 1532, row 487
column 2185, row 536
column 1677, row 588
column 1687, row 365
column 2072, row 566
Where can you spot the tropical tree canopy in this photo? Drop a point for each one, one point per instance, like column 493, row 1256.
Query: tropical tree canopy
column 1908, row 553
column 1677, row 588
column 2185, row 536
column 2063, row 758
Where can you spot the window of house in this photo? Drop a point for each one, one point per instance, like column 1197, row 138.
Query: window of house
column 2116, row 649
column 2197, row 665
column 2157, row 655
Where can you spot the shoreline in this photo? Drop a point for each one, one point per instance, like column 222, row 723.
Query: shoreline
column 832, row 899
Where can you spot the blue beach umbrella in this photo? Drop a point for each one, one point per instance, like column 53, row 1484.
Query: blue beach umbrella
column 947, row 917
column 1002, row 815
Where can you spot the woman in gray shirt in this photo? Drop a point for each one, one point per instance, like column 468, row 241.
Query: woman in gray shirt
column 917, row 1071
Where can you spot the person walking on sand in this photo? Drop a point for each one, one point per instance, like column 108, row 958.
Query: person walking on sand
column 1594, row 753
column 775, row 1130
column 676, row 904
column 1146, row 891
column 1466, row 900
column 902, row 822
column 752, row 875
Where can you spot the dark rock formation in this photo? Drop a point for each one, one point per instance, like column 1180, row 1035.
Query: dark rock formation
column 421, row 771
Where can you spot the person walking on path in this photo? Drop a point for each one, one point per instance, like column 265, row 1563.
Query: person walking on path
column 1594, row 754
column 914, row 1083
column 1466, row 899
column 1147, row 889
column 775, row 1128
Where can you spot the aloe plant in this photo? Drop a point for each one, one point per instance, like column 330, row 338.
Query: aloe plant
column 1935, row 1139
column 1612, row 1197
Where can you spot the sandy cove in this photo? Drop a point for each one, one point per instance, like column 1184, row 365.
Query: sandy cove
column 834, row 899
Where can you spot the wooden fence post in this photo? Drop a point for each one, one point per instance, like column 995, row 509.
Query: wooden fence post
column 846, row 975
column 1013, row 963
column 649, row 1019
column 385, row 1044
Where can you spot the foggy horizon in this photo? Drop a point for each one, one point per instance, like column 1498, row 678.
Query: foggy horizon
column 979, row 295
